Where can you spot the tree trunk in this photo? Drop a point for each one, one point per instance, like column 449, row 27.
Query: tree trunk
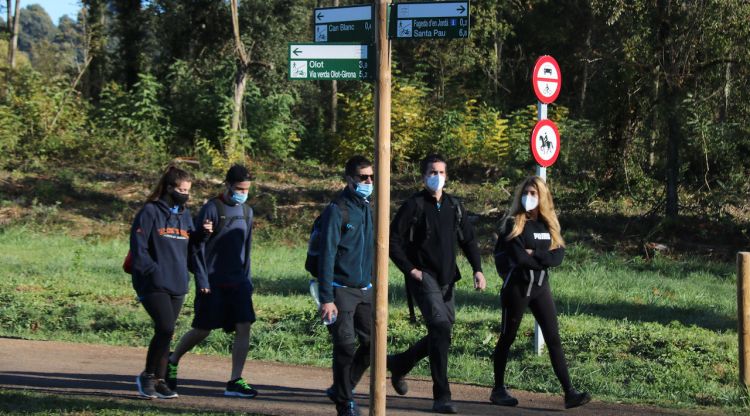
column 240, row 83
column 674, row 141
column 13, row 44
column 586, row 63
column 94, row 48
column 129, row 27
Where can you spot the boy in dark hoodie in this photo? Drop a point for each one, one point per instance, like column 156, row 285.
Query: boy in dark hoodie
column 225, row 288
column 161, row 237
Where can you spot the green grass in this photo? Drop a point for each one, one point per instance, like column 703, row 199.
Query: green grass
column 659, row 332
column 32, row 403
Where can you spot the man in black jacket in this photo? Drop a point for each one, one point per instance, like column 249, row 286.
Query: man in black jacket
column 344, row 279
column 425, row 235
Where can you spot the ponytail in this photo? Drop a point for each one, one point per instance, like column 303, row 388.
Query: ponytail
column 173, row 176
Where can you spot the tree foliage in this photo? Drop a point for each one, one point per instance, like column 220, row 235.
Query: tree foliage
column 653, row 104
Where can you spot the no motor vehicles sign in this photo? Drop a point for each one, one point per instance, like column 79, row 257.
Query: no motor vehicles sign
column 547, row 79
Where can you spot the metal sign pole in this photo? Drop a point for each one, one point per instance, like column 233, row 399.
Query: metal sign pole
column 382, row 192
column 542, row 173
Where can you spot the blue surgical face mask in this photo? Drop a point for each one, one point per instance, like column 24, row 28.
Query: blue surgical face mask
column 363, row 189
column 239, row 198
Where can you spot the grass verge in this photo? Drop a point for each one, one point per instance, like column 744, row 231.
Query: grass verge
column 654, row 332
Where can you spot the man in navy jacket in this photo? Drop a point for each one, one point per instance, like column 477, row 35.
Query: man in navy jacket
column 345, row 274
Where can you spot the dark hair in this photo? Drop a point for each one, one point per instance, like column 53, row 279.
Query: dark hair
column 173, row 176
column 237, row 173
column 430, row 159
column 356, row 163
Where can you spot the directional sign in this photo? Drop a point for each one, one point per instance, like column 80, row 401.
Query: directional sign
column 433, row 20
column 329, row 62
column 545, row 143
column 547, row 79
column 344, row 24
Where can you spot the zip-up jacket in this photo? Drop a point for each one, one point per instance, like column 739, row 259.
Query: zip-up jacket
column 347, row 250
column 435, row 238
column 159, row 244
column 227, row 251
column 532, row 268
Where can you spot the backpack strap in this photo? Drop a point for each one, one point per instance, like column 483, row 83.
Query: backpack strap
column 222, row 212
column 459, row 217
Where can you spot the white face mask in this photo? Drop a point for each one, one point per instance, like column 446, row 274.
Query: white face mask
column 529, row 202
column 435, row 182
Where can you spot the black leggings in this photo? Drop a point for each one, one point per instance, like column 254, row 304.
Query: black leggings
column 164, row 310
column 514, row 302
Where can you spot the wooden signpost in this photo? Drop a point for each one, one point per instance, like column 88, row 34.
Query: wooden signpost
column 367, row 56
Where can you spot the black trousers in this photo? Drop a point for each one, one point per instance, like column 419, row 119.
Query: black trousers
column 514, row 302
column 164, row 310
column 438, row 310
column 354, row 321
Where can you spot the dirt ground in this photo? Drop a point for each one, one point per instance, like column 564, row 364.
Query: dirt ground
column 105, row 371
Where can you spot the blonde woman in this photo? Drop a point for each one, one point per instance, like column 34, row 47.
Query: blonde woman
column 530, row 243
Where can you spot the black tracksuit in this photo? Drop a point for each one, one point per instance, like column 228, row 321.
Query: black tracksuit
column 430, row 244
column 528, row 285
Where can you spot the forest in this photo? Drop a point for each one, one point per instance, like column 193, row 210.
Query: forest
column 652, row 111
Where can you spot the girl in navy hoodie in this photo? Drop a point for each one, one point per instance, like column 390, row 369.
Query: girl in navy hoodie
column 160, row 240
column 531, row 240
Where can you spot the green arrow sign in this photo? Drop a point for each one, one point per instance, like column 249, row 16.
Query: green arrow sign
column 343, row 24
column 433, row 20
column 329, row 62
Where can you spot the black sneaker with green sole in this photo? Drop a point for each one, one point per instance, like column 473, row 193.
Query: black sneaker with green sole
column 240, row 388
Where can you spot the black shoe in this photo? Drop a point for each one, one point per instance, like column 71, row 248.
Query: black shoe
column 240, row 388
column 171, row 378
column 501, row 397
column 146, row 383
column 331, row 394
column 347, row 409
column 444, row 407
column 163, row 391
column 575, row 399
column 397, row 380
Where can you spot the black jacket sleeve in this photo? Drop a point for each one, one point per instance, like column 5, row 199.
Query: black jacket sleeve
column 520, row 256
column 469, row 245
column 551, row 258
column 399, row 236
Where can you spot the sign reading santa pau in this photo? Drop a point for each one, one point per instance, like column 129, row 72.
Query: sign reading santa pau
column 545, row 143
column 547, row 79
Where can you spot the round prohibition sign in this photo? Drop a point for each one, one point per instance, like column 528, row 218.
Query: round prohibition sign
column 545, row 143
column 547, row 79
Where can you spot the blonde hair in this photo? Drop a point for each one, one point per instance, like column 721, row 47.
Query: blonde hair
column 518, row 214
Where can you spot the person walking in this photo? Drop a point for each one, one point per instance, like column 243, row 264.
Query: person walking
column 529, row 244
column 225, row 289
column 345, row 281
column 425, row 235
column 160, row 238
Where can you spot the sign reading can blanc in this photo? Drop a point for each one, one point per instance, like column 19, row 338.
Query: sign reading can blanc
column 343, row 24
column 329, row 62
column 429, row 20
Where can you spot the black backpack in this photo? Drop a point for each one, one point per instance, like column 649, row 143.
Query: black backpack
column 504, row 264
column 224, row 220
column 416, row 218
column 313, row 244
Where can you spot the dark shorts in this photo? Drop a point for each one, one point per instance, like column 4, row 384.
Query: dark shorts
column 224, row 307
